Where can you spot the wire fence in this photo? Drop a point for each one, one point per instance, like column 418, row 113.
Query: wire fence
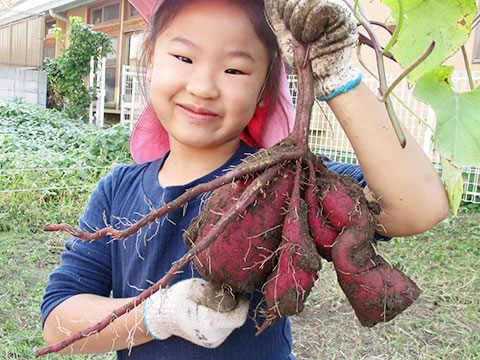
column 326, row 137
column 48, row 179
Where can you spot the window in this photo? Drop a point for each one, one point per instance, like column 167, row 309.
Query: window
column 134, row 43
column 97, row 16
column 50, row 26
column 104, row 14
column 110, row 81
column 111, row 74
column 132, row 11
column 111, row 12
column 476, row 46
column 112, row 57
column 49, row 52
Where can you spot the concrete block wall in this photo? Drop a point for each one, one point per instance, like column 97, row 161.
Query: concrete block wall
column 28, row 84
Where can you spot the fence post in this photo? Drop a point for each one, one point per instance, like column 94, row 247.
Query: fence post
column 134, row 97
column 92, row 75
column 123, row 94
column 101, row 97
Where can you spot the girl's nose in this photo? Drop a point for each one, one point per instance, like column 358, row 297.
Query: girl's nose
column 202, row 84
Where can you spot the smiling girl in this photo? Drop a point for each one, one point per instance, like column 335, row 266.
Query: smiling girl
column 217, row 93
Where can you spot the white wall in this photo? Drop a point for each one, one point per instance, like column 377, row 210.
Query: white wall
column 28, row 84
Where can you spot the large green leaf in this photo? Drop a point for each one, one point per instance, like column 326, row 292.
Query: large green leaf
column 457, row 135
column 447, row 22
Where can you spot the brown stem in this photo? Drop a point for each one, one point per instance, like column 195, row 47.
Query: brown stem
column 306, row 95
column 248, row 196
column 239, row 171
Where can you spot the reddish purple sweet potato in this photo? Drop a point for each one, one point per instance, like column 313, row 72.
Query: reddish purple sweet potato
column 323, row 233
column 375, row 289
column 298, row 262
column 242, row 256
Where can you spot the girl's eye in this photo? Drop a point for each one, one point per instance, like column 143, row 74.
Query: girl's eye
column 184, row 59
column 234, row 72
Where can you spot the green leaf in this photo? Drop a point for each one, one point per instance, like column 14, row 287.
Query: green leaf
column 452, row 176
column 447, row 22
column 457, row 135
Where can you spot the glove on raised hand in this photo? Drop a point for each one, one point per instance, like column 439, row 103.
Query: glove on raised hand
column 177, row 311
column 329, row 28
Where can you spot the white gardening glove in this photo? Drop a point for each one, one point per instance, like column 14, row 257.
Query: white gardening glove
column 330, row 29
column 176, row 310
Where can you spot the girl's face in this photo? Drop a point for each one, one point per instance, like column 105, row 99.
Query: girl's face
column 207, row 71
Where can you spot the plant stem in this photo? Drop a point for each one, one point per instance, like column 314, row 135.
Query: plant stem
column 382, row 77
column 397, row 28
column 467, row 67
column 237, row 172
column 407, row 71
column 476, row 21
column 399, row 99
column 306, row 95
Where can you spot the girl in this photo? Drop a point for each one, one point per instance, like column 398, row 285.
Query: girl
column 217, row 94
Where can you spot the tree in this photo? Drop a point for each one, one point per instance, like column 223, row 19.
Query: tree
column 66, row 88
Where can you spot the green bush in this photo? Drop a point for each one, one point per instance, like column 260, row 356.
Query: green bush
column 49, row 164
column 67, row 72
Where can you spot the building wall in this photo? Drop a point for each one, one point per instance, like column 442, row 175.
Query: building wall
column 21, row 43
column 28, row 84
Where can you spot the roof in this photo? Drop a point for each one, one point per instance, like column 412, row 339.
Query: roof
column 23, row 9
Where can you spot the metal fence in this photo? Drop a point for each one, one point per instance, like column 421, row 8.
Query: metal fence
column 328, row 138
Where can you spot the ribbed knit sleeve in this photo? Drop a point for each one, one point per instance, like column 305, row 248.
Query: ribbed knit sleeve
column 85, row 265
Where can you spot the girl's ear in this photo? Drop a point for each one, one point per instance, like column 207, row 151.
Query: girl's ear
column 149, row 70
column 149, row 56
column 262, row 102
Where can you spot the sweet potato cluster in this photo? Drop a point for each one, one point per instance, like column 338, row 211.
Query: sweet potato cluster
column 303, row 213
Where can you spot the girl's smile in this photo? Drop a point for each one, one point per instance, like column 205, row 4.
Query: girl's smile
column 198, row 114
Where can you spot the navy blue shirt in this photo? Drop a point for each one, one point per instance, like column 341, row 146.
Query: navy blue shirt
column 122, row 268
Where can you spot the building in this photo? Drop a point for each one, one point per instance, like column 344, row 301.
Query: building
column 26, row 36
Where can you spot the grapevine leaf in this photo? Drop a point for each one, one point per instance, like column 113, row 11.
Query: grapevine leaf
column 457, row 135
column 452, row 176
column 446, row 22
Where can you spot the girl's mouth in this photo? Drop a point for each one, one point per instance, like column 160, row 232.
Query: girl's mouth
column 198, row 113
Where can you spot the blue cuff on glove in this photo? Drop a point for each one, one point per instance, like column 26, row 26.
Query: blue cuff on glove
column 347, row 87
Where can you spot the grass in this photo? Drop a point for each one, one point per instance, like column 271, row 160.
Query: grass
column 26, row 260
column 442, row 324
column 49, row 164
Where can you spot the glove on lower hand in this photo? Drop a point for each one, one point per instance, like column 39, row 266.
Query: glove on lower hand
column 329, row 28
column 177, row 311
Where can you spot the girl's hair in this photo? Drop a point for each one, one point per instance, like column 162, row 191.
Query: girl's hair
column 254, row 9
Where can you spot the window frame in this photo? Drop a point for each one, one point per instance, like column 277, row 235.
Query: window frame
column 102, row 7
column 48, row 28
column 128, row 13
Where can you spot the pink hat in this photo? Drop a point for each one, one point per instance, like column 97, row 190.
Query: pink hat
column 149, row 140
